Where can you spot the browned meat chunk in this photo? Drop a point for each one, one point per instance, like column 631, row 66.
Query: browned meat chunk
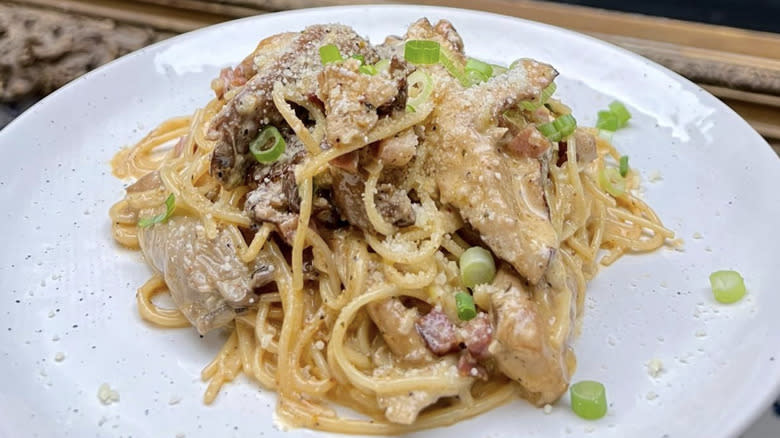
column 438, row 331
column 286, row 58
column 392, row 202
column 442, row 336
column 528, row 143
column 522, row 349
column 499, row 194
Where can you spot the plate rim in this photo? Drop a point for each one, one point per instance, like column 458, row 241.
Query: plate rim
column 758, row 405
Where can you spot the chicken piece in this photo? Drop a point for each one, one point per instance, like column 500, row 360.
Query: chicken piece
column 286, row 58
column 206, row 278
column 398, row 150
column 405, row 407
column 351, row 100
column 522, row 347
column 396, row 323
column 501, row 195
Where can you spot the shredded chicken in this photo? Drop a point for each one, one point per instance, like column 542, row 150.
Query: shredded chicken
column 499, row 194
column 351, row 100
column 521, row 348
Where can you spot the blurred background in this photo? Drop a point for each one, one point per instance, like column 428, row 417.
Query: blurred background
column 729, row 47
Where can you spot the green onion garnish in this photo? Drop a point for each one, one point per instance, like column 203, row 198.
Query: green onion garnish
column 614, row 119
column 421, row 81
column 475, row 77
column 456, row 71
column 382, row 65
column 421, row 52
column 624, row 165
column 588, row 399
column 727, row 286
column 360, row 58
column 464, row 303
column 476, row 266
column 170, row 206
column 498, row 69
column 368, row 69
column 607, row 121
column 268, row 146
column 330, row 53
column 606, row 135
column 559, row 128
column 478, row 71
column 620, row 111
column 550, row 131
column 565, row 124
column 547, row 93
column 611, row 181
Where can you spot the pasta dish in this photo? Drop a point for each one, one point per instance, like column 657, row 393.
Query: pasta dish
column 397, row 228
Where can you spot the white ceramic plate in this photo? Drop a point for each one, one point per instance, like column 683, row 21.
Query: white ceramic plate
column 66, row 287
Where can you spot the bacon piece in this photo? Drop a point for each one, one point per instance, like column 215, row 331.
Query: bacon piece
column 477, row 334
column 438, row 331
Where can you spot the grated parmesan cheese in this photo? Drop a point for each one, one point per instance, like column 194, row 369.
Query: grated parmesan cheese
column 655, row 367
column 106, row 395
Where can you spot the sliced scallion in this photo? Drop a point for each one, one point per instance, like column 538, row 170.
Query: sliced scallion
column 368, row 69
column 588, row 399
column 456, row 71
column 498, row 69
column 565, row 124
column 464, row 303
column 607, row 120
column 727, row 286
column 421, row 51
column 484, row 69
column 382, row 65
column 476, row 266
column 268, row 146
column 623, row 165
column 170, row 206
column 550, row 131
column 360, row 58
column 620, row 112
column 420, row 86
column 330, row 53
column 611, row 181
